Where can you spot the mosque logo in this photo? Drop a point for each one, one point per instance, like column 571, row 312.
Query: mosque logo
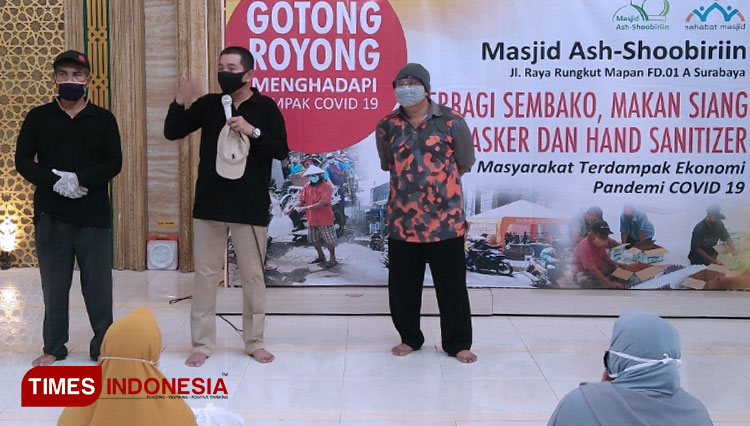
column 642, row 11
column 716, row 10
column 642, row 15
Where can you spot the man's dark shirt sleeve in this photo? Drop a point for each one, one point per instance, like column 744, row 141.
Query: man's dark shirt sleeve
column 26, row 151
column 723, row 233
column 180, row 121
column 110, row 164
column 272, row 141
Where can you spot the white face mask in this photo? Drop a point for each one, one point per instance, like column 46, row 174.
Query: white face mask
column 644, row 362
column 102, row 358
column 409, row 96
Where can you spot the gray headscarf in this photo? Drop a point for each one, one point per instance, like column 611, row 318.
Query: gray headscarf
column 641, row 334
column 643, row 359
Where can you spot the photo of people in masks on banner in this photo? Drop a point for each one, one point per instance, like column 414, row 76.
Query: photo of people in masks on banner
column 606, row 155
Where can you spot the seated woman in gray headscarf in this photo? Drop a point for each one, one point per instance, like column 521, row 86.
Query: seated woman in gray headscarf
column 641, row 385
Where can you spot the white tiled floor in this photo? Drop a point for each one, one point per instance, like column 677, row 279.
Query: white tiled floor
column 337, row 370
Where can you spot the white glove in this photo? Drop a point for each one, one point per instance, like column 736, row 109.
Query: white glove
column 79, row 192
column 68, row 186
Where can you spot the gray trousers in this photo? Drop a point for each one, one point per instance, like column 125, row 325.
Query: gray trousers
column 58, row 244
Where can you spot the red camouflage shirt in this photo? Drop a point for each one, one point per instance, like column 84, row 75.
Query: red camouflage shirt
column 425, row 203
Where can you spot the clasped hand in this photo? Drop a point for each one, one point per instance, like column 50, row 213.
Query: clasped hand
column 68, row 185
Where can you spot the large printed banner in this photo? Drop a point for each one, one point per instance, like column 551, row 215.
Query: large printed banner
column 637, row 112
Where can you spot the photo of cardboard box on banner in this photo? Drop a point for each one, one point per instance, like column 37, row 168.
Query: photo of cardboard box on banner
column 724, row 255
column 731, row 279
column 736, row 280
column 654, row 255
column 618, row 253
column 647, row 253
column 707, row 279
column 637, row 273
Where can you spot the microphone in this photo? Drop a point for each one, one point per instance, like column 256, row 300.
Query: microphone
column 226, row 100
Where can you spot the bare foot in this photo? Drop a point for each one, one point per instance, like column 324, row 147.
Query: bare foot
column 262, row 356
column 402, row 350
column 466, row 357
column 196, row 359
column 44, row 360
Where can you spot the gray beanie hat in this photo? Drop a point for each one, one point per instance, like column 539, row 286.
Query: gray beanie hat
column 414, row 70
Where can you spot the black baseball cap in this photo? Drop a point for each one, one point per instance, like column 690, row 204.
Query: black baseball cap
column 715, row 212
column 601, row 229
column 72, row 56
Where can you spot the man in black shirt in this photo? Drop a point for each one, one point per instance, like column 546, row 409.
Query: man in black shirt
column 706, row 235
column 231, row 194
column 70, row 150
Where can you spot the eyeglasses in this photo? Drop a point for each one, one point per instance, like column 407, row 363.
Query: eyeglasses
column 408, row 81
column 62, row 76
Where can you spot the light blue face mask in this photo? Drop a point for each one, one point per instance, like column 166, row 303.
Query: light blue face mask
column 409, row 96
column 314, row 179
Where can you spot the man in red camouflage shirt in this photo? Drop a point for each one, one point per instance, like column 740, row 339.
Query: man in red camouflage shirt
column 426, row 147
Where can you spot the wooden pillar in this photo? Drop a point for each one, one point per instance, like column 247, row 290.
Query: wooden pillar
column 215, row 41
column 73, row 11
column 128, row 100
column 192, row 63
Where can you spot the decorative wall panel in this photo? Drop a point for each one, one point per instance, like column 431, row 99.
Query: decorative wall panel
column 31, row 35
column 97, row 49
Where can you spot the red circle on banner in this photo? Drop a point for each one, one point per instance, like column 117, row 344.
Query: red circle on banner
column 328, row 64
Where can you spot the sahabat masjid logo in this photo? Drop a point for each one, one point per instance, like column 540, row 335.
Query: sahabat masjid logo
column 727, row 13
column 642, row 15
column 715, row 17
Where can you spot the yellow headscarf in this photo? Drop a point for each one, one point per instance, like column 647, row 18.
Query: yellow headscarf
column 137, row 338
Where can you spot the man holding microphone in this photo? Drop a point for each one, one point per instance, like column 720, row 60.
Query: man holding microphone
column 231, row 193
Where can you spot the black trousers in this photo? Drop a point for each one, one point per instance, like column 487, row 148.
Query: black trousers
column 58, row 244
column 407, row 263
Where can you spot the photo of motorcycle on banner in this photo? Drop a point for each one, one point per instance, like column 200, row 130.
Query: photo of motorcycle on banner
column 611, row 149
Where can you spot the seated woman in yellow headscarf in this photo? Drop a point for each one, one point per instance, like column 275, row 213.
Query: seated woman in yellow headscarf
column 131, row 349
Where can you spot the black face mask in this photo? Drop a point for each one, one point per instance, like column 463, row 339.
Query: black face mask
column 71, row 91
column 231, row 82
